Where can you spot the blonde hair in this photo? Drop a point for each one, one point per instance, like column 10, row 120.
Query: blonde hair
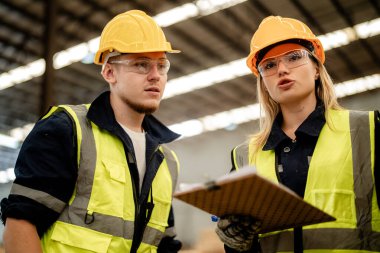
column 324, row 91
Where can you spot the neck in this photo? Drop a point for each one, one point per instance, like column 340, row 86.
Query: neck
column 126, row 115
column 294, row 115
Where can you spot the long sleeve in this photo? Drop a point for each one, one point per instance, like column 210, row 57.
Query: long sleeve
column 45, row 172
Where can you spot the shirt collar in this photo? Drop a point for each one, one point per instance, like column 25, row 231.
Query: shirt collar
column 101, row 113
column 312, row 126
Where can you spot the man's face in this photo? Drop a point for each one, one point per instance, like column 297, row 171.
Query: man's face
column 140, row 80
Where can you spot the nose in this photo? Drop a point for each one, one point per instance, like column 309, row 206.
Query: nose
column 153, row 73
column 282, row 68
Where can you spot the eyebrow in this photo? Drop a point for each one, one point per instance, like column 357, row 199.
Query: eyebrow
column 147, row 58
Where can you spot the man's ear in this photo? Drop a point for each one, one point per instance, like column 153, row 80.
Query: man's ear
column 108, row 74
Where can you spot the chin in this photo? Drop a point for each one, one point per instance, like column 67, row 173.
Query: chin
column 146, row 109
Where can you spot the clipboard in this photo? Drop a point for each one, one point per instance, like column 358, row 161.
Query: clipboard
column 244, row 192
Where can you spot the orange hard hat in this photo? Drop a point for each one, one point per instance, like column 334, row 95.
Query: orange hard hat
column 275, row 29
column 132, row 32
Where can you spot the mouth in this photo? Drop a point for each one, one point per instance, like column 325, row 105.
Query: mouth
column 285, row 82
column 153, row 89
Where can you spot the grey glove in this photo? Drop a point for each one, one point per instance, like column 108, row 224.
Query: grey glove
column 238, row 231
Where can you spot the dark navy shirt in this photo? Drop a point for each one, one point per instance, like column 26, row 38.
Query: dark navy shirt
column 293, row 156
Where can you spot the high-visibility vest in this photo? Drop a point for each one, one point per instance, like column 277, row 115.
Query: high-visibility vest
column 340, row 182
column 101, row 213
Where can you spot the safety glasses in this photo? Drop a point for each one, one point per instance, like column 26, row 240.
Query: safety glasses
column 144, row 65
column 291, row 59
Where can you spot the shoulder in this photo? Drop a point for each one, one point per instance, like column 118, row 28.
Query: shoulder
column 169, row 154
column 240, row 155
column 57, row 123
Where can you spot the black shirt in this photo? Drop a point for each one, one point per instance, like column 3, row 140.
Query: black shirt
column 293, row 156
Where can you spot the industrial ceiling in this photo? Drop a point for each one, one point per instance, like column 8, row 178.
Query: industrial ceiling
column 36, row 29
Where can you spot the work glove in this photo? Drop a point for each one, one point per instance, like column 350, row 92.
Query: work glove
column 238, row 231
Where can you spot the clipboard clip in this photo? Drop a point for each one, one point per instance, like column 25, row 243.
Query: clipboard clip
column 212, row 186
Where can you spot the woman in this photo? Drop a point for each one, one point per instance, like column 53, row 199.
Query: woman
column 309, row 143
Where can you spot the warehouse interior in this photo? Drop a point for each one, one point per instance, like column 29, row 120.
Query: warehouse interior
column 47, row 48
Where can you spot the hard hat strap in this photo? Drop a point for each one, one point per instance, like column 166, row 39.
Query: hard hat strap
column 108, row 56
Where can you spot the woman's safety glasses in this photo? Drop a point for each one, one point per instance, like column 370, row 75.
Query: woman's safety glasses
column 144, row 65
column 291, row 59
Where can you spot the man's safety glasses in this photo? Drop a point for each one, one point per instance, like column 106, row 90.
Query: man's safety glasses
column 144, row 65
column 291, row 59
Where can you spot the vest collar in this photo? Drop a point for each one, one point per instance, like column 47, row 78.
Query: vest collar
column 101, row 113
column 312, row 126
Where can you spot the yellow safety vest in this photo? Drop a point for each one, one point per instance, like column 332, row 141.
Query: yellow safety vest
column 340, row 181
column 101, row 213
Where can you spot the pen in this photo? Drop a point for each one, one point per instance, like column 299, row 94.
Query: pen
column 214, row 218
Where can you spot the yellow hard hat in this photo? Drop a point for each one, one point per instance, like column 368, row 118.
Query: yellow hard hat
column 275, row 29
column 132, row 32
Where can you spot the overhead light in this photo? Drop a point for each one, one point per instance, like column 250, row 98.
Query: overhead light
column 207, row 77
column 70, row 55
column 188, row 128
column 217, row 121
column 368, row 29
column 176, row 15
column 190, row 10
column 7, row 175
column 22, row 74
column 347, row 35
column 8, row 141
column 357, row 86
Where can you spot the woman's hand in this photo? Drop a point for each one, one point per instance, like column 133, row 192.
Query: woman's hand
column 238, row 231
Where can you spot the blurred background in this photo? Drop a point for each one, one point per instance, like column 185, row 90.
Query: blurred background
column 47, row 47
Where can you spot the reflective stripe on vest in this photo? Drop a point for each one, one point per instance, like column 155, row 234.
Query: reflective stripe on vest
column 39, row 196
column 240, row 156
column 79, row 212
column 335, row 235
column 172, row 162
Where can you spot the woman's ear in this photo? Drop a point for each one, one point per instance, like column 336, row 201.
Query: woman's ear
column 108, row 74
column 316, row 77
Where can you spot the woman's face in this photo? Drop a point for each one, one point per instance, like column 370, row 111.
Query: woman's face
column 289, row 74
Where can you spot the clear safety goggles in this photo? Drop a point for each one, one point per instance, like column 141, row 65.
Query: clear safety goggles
column 291, row 59
column 144, row 65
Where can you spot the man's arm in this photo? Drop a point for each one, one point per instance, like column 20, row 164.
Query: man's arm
column 46, row 166
column 16, row 229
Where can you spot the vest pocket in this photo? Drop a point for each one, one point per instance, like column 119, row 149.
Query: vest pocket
column 339, row 203
column 116, row 170
column 70, row 238
column 112, row 190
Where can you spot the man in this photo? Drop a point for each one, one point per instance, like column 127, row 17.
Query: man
column 96, row 178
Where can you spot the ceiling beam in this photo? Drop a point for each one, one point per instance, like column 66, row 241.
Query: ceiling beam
column 47, row 93
column 347, row 17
